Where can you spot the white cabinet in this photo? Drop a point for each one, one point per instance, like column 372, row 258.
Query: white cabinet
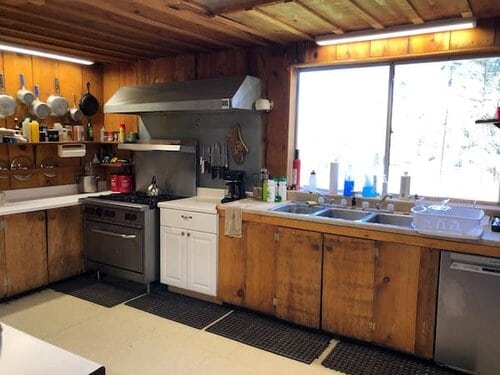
column 188, row 250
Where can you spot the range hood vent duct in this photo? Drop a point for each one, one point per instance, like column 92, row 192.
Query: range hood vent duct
column 221, row 94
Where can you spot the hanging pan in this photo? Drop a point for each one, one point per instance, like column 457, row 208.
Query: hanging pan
column 7, row 102
column 88, row 103
column 57, row 103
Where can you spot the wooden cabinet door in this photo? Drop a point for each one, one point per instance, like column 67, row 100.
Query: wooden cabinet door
column 396, row 293
column 3, row 267
column 298, row 276
column 25, row 251
column 201, row 262
column 348, row 282
column 231, row 266
column 260, row 267
column 64, row 243
column 173, row 257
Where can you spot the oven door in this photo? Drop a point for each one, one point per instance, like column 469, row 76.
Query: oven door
column 114, row 245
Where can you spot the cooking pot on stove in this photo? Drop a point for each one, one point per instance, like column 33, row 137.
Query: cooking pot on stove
column 87, row 184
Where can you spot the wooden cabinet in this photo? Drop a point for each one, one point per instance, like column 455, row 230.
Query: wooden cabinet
column 25, row 251
column 382, row 292
column 188, row 250
column 247, row 267
column 298, row 275
column 64, row 243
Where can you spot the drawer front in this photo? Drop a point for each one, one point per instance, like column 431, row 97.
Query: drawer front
column 189, row 220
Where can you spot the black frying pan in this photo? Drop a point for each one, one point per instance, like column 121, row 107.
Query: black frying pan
column 88, row 103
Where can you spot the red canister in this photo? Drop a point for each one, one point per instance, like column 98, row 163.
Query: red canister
column 114, row 182
column 125, row 183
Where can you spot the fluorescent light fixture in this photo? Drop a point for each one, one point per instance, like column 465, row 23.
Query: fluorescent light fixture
column 49, row 55
column 398, row 31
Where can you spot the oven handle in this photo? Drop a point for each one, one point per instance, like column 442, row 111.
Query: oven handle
column 121, row 235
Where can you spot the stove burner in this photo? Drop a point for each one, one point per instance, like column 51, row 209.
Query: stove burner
column 140, row 197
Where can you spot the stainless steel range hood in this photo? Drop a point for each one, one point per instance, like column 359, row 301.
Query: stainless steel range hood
column 221, row 94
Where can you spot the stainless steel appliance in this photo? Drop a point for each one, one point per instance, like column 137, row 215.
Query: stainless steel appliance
column 121, row 234
column 121, row 231
column 468, row 316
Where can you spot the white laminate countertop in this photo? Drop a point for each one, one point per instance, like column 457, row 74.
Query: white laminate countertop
column 205, row 201
column 9, row 208
column 259, row 207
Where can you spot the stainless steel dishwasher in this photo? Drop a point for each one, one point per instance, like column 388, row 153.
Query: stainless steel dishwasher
column 468, row 314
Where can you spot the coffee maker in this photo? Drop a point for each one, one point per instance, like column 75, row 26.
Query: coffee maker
column 235, row 181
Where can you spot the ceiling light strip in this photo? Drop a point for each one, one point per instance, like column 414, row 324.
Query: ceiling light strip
column 48, row 55
column 397, row 31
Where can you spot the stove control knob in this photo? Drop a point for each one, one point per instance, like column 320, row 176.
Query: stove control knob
column 98, row 211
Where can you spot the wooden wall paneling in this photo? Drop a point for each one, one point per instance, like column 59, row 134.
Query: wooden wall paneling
column 3, row 122
column 278, row 126
column 160, row 70
column 94, row 75
column 4, row 166
column 310, row 53
column 14, row 64
column 204, row 65
column 46, row 153
column 184, row 67
column 389, row 47
column 396, row 285
column 426, row 302
column 429, row 43
column 25, row 150
column 230, row 63
column 481, row 36
column 44, row 72
column 351, row 51
column 3, row 268
column 128, row 77
column 111, row 83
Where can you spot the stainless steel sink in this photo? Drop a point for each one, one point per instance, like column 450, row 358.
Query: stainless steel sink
column 344, row 214
column 298, row 208
column 390, row 219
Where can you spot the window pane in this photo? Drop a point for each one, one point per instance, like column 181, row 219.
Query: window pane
column 434, row 135
column 342, row 116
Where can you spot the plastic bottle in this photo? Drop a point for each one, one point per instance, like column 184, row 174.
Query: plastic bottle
column 102, row 134
column 264, row 177
column 348, row 182
column 312, row 181
column 121, row 134
column 282, row 188
column 27, row 129
column 404, row 187
column 271, row 190
column 90, row 131
column 35, row 132
column 296, row 171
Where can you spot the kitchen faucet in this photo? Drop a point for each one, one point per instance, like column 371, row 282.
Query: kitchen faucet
column 382, row 200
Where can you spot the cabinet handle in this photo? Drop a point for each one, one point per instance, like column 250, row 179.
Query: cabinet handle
column 188, row 234
column 182, row 233
column 186, row 217
column 240, row 293
column 121, row 235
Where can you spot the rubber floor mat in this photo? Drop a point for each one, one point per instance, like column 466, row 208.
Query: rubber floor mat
column 272, row 335
column 356, row 359
column 181, row 309
column 107, row 292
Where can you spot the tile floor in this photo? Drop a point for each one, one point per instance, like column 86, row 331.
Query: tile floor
column 129, row 341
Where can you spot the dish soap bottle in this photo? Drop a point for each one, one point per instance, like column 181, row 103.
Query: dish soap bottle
column 296, row 172
column 348, row 182
column 312, row 181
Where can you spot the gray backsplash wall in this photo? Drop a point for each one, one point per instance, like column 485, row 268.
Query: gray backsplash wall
column 209, row 128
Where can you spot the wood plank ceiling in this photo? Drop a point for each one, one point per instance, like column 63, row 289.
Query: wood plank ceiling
column 111, row 31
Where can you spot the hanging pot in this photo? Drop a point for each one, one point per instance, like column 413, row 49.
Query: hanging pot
column 38, row 108
column 57, row 103
column 23, row 95
column 88, row 103
column 7, row 102
column 75, row 112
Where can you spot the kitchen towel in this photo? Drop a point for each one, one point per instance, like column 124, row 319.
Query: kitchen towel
column 233, row 222
column 334, row 178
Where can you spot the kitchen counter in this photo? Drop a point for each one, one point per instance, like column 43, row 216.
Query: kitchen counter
column 250, row 206
column 9, row 208
column 205, row 201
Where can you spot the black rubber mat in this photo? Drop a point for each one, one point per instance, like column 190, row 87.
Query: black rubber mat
column 107, row 292
column 271, row 335
column 356, row 359
column 181, row 309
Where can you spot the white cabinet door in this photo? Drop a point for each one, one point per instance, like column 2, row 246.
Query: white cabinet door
column 202, row 262
column 173, row 257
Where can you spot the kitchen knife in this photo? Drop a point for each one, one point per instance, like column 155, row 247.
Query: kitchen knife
column 214, row 161
column 220, row 160
column 202, row 160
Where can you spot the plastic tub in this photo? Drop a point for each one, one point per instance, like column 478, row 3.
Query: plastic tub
column 460, row 222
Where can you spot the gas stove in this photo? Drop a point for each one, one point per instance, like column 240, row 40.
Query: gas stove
column 136, row 200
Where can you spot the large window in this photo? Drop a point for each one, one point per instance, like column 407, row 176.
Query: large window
column 423, row 124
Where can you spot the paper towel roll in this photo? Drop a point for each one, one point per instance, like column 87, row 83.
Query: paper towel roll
column 334, row 177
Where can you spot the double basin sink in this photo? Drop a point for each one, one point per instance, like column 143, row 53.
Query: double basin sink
column 302, row 208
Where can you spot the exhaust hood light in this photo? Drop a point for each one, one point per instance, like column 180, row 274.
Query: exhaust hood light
column 398, row 31
column 49, row 55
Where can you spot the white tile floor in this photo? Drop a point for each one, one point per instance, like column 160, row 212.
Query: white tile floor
column 129, row 341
